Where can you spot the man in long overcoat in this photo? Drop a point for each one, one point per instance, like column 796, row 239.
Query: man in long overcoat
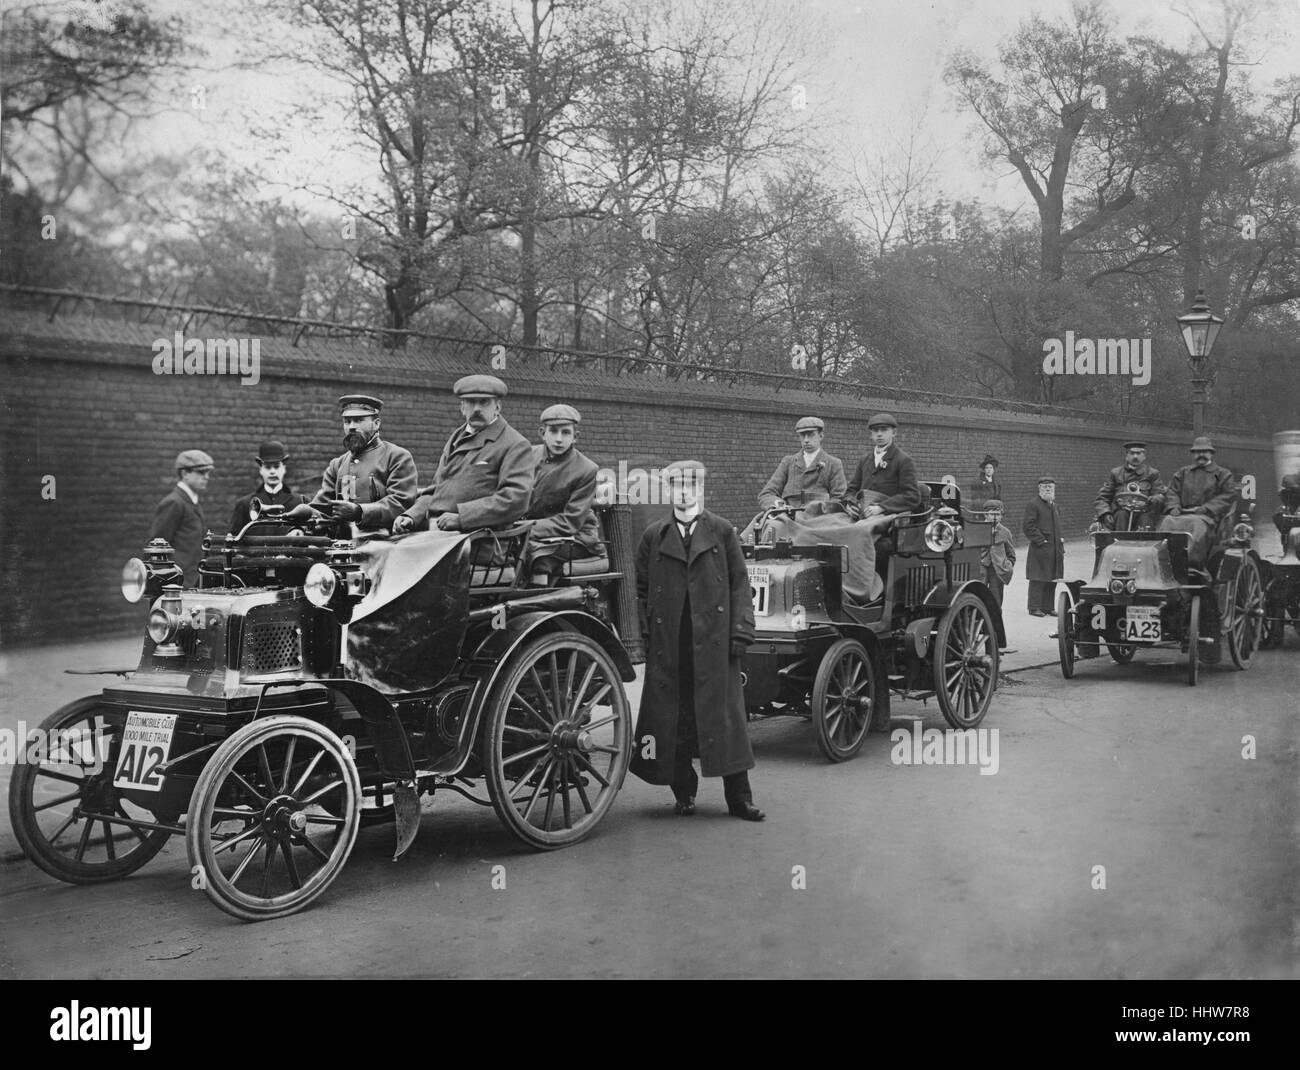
column 693, row 588
column 1045, row 562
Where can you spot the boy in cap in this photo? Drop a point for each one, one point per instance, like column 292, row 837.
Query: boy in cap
column 178, row 518
column 270, row 491
column 374, row 480
column 1046, row 562
column 811, row 475
column 999, row 557
column 986, row 487
column 485, row 475
column 1133, row 475
column 693, row 590
column 564, row 488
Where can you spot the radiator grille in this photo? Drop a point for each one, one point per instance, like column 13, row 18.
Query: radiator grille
column 960, row 572
column 808, row 591
column 271, row 646
column 919, row 581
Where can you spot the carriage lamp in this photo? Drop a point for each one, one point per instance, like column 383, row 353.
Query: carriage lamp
column 320, row 585
column 165, row 623
column 340, row 574
column 1200, row 327
column 135, row 577
column 940, row 534
column 158, row 567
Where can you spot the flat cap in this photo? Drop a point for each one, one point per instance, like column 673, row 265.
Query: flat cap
column 193, row 459
column 561, row 414
column 809, row 423
column 1136, row 444
column 269, row 452
column 479, row 386
column 1046, row 479
column 359, row 405
column 882, row 419
column 683, row 470
column 989, row 459
column 993, row 506
column 1201, row 442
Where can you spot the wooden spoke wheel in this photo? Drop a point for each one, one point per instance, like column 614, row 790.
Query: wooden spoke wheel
column 1247, row 609
column 557, row 739
column 1121, row 653
column 1065, row 634
column 1194, row 640
column 273, row 817
column 965, row 662
column 843, row 698
column 68, row 818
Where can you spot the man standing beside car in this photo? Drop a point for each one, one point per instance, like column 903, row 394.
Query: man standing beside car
column 1045, row 563
column 178, row 518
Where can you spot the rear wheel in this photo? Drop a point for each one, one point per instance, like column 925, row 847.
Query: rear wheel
column 50, row 799
column 1194, row 640
column 843, row 698
column 965, row 662
column 1247, row 608
column 1065, row 634
column 1121, row 653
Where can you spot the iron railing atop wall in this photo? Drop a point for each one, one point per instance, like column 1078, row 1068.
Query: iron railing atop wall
column 295, row 329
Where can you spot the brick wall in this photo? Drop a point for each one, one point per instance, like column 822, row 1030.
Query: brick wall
column 81, row 403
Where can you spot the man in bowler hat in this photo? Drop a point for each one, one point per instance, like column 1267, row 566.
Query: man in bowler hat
column 271, row 490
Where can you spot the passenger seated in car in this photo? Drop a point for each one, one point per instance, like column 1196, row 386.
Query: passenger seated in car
column 1200, row 495
column 564, row 488
column 810, row 477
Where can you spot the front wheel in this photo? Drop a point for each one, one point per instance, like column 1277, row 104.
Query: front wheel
column 273, row 817
column 1247, row 609
column 1065, row 634
column 558, row 739
column 65, row 812
column 1194, row 641
column 965, row 662
column 843, row 697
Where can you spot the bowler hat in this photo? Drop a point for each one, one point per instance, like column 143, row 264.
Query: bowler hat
column 188, row 459
column 809, row 423
column 479, row 386
column 270, row 452
column 989, row 459
column 882, row 419
column 557, row 414
column 1201, row 442
column 359, row 405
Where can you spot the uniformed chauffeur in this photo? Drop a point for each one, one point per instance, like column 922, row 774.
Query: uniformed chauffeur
column 811, row 475
column 270, row 491
column 564, row 488
column 374, row 480
column 1135, row 473
column 485, row 474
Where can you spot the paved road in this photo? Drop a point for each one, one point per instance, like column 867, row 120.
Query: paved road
column 911, row 870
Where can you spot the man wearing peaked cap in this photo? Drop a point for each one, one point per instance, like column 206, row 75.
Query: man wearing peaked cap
column 1133, row 475
column 484, row 476
column 564, row 490
column 178, row 518
column 811, row 475
column 271, row 490
column 374, row 480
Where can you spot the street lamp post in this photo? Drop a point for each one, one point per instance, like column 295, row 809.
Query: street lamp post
column 1200, row 328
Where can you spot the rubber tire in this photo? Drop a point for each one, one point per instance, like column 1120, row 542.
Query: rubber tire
column 981, row 612
column 1065, row 635
column 834, row 655
column 1193, row 641
column 1250, row 588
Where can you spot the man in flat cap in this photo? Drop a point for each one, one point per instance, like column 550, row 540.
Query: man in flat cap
column 485, row 474
column 883, row 485
column 178, row 518
column 270, row 491
column 999, row 557
column 811, row 475
column 1045, row 563
column 986, row 486
column 1200, row 495
column 1133, row 476
column 693, row 591
column 374, row 480
column 564, row 488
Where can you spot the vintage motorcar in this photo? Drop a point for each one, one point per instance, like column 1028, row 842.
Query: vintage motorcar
column 936, row 631
column 316, row 680
column 1281, row 571
column 1144, row 593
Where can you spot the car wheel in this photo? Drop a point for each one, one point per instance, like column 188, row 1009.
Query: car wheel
column 1065, row 634
column 1247, row 608
column 965, row 664
column 1193, row 640
column 843, row 698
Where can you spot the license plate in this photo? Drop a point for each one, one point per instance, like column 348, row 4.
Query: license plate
column 145, row 745
column 760, row 590
column 1141, row 624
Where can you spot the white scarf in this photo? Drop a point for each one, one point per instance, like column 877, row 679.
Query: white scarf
column 880, row 456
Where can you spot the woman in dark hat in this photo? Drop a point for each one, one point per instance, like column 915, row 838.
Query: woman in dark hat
column 985, row 487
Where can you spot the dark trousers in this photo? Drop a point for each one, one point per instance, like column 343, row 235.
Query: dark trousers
column 994, row 584
column 1040, row 595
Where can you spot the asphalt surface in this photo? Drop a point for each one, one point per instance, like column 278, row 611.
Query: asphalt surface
column 869, row 868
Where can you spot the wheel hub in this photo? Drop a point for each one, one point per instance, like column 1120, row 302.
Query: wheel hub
column 283, row 816
column 569, row 737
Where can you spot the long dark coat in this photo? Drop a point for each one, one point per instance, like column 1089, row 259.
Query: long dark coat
column 178, row 520
column 1046, row 557
column 722, row 609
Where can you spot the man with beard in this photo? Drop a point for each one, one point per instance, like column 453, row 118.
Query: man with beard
column 178, row 518
column 485, row 474
column 1200, row 495
column 271, row 491
column 1133, row 475
column 693, row 591
column 1046, row 559
column 564, row 488
column 374, row 480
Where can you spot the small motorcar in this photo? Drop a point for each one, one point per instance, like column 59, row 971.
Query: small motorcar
column 936, row 632
column 316, row 680
column 1144, row 593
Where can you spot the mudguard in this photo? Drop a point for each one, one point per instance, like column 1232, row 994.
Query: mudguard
column 941, row 596
column 495, row 649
